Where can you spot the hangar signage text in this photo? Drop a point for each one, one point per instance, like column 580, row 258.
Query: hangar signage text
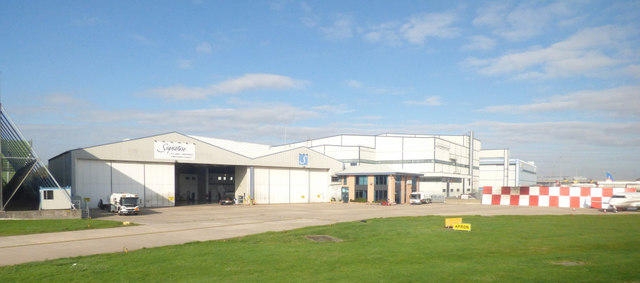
column 174, row 150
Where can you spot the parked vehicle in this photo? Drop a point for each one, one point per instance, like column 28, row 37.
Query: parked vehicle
column 420, row 198
column 467, row 196
column 124, row 203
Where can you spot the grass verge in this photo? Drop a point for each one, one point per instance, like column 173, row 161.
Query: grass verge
column 21, row 227
column 580, row 248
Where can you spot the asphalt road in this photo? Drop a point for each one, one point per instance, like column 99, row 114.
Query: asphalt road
column 177, row 225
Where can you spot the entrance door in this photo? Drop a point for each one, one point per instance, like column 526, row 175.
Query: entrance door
column 345, row 195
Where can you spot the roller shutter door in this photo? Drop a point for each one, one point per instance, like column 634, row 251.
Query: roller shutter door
column 128, row 178
column 261, row 185
column 159, row 181
column 299, row 188
column 93, row 180
column 319, row 185
column 278, row 185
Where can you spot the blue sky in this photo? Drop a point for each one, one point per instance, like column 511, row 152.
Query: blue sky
column 558, row 83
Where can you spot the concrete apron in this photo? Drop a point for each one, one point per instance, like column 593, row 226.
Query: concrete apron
column 178, row 225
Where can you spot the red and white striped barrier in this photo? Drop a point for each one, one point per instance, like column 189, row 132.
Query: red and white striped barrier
column 577, row 197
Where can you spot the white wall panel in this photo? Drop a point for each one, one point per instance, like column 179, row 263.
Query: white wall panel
column 128, row 178
column 342, row 152
column 159, row 180
column 93, row 180
column 389, row 148
column 279, row 185
column 261, row 185
column 319, row 186
column 418, row 148
column 368, row 141
column 299, row 188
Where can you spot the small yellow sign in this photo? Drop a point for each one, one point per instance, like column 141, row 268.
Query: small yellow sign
column 87, row 199
column 462, row 226
column 172, row 198
column 449, row 222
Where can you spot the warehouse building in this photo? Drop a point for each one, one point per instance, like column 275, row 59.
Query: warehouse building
column 176, row 169
column 438, row 164
column 498, row 169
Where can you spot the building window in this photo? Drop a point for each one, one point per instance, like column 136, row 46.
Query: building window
column 380, row 195
column 444, row 190
column 335, row 179
column 48, row 194
column 362, row 180
column 361, row 194
column 381, row 180
column 344, row 180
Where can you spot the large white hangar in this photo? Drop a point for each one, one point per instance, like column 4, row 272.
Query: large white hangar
column 174, row 169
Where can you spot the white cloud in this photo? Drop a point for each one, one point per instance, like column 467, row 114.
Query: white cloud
column 420, row 27
column 479, row 42
column 203, row 47
column 142, row 39
column 371, row 89
column 185, row 64
column 245, row 83
column 527, row 20
column 429, row 101
column 387, row 33
column 87, row 21
column 278, row 5
column 342, row 28
column 587, row 53
column 354, row 84
column 618, row 102
column 334, row 109
column 611, row 146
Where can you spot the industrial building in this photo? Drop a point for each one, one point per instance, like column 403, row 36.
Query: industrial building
column 177, row 169
column 439, row 164
column 498, row 170
column 173, row 169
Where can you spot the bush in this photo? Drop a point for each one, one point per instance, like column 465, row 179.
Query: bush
column 359, row 200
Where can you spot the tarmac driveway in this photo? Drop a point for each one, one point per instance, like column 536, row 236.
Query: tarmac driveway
column 177, row 225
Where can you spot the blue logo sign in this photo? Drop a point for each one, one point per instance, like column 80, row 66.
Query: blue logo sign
column 303, row 159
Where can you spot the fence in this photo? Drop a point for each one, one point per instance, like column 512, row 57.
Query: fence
column 575, row 197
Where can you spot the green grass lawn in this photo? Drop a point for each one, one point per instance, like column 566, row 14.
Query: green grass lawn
column 20, row 227
column 602, row 248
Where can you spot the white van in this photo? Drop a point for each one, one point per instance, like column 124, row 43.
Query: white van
column 420, row 198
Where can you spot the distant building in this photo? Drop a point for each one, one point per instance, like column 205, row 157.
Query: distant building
column 440, row 164
column 497, row 169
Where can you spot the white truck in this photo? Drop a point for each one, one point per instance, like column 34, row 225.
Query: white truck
column 420, row 198
column 124, row 203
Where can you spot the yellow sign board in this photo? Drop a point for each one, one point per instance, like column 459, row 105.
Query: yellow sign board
column 171, row 198
column 87, row 199
column 462, row 226
column 449, row 222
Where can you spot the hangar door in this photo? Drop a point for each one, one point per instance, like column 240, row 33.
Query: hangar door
column 285, row 185
column 154, row 183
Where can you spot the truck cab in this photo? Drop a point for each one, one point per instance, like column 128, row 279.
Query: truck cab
column 124, row 203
